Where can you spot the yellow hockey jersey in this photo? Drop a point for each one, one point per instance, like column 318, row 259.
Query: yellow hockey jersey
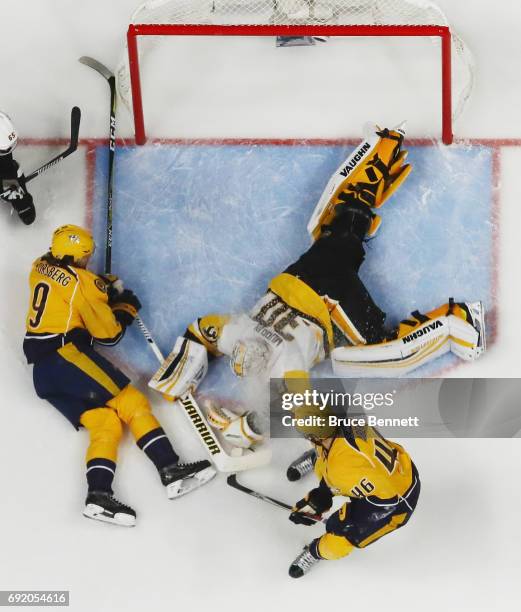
column 363, row 464
column 66, row 303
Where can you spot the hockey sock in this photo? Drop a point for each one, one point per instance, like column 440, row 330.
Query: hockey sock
column 158, row 448
column 313, row 548
column 100, row 474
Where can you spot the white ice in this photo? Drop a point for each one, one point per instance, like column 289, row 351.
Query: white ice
column 218, row 549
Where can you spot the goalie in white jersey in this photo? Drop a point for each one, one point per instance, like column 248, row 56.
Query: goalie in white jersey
column 318, row 307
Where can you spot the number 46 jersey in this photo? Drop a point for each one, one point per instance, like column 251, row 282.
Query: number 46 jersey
column 66, row 303
column 361, row 463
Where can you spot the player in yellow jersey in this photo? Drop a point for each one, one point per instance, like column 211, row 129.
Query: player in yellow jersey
column 70, row 309
column 376, row 475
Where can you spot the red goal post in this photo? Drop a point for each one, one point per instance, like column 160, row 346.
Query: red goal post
column 137, row 30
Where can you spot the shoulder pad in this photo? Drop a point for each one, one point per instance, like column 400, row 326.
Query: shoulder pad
column 91, row 282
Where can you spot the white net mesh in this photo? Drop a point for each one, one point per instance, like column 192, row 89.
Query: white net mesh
column 222, row 12
column 299, row 12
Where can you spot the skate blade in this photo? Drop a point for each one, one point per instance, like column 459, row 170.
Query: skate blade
column 96, row 513
column 186, row 485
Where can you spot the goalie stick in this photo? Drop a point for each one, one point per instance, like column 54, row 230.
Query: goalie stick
column 222, row 460
column 233, row 482
column 73, row 145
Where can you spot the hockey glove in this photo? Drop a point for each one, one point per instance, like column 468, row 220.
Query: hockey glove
column 21, row 201
column 114, row 286
column 309, row 510
column 125, row 307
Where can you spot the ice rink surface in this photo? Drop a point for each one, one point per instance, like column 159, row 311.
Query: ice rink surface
column 203, row 227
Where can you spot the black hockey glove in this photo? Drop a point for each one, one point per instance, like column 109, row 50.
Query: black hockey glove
column 114, row 286
column 21, row 201
column 309, row 510
column 125, row 307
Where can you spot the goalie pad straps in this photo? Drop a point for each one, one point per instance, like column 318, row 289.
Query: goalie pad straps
column 182, row 370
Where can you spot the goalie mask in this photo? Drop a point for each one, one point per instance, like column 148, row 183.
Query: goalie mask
column 8, row 135
column 249, row 357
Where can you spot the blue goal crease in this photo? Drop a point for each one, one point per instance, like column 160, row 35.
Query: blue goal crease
column 203, row 228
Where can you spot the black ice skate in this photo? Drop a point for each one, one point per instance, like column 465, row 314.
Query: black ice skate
column 102, row 506
column 302, row 465
column 181, row 478
column 302, row 564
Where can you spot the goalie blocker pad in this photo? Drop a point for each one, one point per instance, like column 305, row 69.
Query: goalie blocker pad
column 425, row 343
column 182, row 371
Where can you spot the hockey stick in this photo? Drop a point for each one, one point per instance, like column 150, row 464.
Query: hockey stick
column 73, row 145
column 232, row 481
column 111, row 80
column 221, row 459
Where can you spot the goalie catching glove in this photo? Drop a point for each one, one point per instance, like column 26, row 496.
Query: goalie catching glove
column 309, row 510
column 238, row 430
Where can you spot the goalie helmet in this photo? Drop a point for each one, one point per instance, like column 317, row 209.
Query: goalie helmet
column 8, row 135
column 249, row 357
column 72, row 241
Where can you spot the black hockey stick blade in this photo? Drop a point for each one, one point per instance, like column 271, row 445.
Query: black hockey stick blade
column 75, row 128
column 92, row 63
column 73, row 145
column 232, row 481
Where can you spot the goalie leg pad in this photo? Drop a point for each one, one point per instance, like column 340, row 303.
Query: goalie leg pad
column 391, row 185
column 396, row 357
column 368, row 172
column 420, row 340
column 182, row 370
column 468, row 337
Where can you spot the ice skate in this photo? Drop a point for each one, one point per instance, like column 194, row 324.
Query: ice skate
column 302, row 465
column 302, row 564
column 182, row 478
column 102, row 506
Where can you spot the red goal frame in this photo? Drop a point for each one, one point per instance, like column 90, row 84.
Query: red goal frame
column 136, row 30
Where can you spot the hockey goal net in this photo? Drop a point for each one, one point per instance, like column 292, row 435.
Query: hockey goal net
column 325, row 18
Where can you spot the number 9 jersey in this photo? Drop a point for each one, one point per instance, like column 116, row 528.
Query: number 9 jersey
column 66, row 303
